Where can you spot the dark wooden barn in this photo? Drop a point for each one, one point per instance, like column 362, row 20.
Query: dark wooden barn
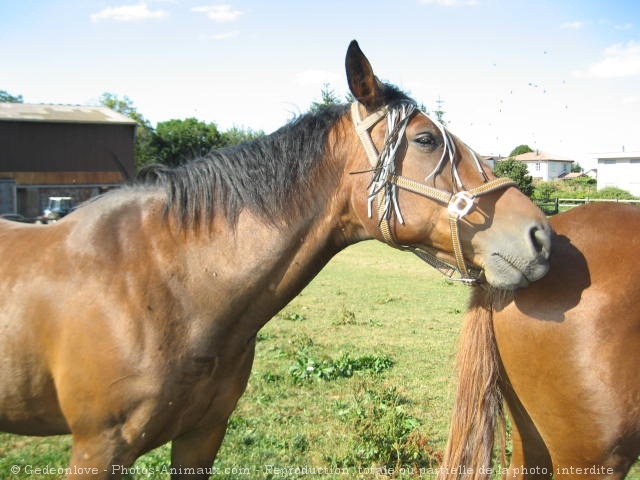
column 59, row 150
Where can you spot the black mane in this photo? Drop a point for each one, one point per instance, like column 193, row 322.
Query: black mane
column 271, row 175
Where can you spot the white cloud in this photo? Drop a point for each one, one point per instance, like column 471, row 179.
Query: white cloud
column 450, row 3
column 574, row 25
column 219, row 13
column 620, row 60
column 128, row 13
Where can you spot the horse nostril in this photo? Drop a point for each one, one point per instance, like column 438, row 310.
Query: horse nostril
column 541, row 240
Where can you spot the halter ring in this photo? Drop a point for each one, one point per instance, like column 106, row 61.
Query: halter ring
column 385, row 184
column 460, row 204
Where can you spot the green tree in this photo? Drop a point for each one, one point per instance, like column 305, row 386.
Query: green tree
column 144, row 132
column 176, row 141
column 6, row 97
column 519, row 150
column 439, row 112
column 516, row 171
column 236, row 135
column 327, row 97
column 576, row 168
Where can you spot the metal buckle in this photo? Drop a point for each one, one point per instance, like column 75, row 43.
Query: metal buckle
column 460, row 204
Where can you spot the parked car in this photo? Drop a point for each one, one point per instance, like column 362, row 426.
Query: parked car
column 57, row 208
column 14, row 217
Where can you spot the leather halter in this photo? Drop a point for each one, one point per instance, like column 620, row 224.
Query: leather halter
column 385, row 183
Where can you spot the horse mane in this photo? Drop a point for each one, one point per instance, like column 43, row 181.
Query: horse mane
column 272, row 176
column 265, row 175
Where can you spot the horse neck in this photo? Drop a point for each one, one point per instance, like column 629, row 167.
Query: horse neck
column 267, row 262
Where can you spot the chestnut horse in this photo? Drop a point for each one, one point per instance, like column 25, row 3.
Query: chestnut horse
column 132, row 322
column 563, row 353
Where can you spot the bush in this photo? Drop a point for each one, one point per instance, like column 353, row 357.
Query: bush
column 544, row 191
column 612, row 193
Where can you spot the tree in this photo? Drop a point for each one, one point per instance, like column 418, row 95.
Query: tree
column 516, row 171
column 144, row 131
column 176, row 141
column 327, row 98
column 519, row 150
column 6, row 97
column 236, row 135
column 124, row 106
column 439, row 112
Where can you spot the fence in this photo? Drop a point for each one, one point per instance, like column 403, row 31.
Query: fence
column 564, row 204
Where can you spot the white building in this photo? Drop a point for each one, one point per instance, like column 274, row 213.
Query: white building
column 620, row 170
column 544, row 166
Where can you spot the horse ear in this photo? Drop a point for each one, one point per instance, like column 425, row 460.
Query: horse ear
column 364, row 85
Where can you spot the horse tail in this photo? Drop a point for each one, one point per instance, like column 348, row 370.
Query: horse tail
column 478, row 414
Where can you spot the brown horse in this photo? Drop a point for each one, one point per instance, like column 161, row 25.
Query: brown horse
column 563, row 353
column 132, row 322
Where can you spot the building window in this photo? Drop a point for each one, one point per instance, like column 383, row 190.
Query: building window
column 537, row 166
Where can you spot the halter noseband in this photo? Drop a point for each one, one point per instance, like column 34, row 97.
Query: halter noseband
column 385, row 183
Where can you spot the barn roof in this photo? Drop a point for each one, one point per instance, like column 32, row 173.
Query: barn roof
column 61, row 114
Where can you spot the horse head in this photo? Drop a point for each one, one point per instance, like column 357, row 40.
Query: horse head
column 429, row 193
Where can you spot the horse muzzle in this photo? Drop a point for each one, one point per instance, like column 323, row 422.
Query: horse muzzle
column 515, row 263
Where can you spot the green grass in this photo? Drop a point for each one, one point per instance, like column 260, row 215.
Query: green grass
column 354, row 375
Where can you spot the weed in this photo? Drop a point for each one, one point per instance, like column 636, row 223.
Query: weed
column 346, row 366
column 347, row 317
column 306, row 367
column 384, row 433
column 388, row 298
column 293, row 316
column 301, row 342
column 271, row 377
column 262, row 337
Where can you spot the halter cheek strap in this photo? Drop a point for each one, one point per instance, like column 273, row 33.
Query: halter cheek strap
column 385, row 183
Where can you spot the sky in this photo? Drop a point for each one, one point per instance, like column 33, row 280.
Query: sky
column 562, row 76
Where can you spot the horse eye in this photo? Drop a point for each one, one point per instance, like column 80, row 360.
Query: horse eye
column 426, row 140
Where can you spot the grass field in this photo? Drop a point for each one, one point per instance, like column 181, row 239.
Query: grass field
column 353, row 379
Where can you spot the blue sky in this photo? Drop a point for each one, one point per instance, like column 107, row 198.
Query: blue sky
column 561, row 76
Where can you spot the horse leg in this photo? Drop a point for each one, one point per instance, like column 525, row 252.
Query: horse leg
column 530, row 457
column 98, row 459
column 574, row 458
column 196, row 450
